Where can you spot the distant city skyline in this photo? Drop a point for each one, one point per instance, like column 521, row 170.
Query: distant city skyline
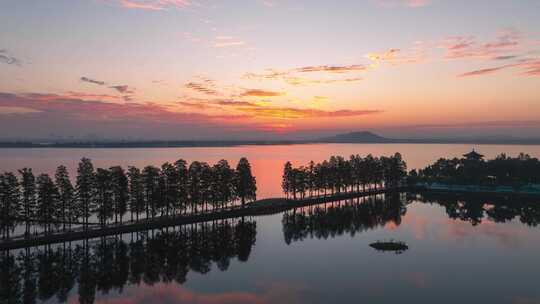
column 268, row 69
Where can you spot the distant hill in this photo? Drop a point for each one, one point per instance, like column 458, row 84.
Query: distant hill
column 351, row 137
column 356, row 137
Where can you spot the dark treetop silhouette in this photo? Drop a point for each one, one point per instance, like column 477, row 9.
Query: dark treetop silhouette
column 338, row 175
column 472, row 169
column 106, row 195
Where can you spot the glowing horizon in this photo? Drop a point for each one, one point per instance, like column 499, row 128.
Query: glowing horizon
column 179, row 69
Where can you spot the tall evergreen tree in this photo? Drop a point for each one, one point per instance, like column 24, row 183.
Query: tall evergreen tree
column 245, row 183
column 136, row 192
column 182, row 171
column 194, row 184
column 120, row 192
column 170, row 187
column 151, row 177
column 223, row 183
column 47, row 201
column 66, row 195
column 9, row 202
column 103, row 198
column 287, row 179
column 28, row 186
column 85, row 188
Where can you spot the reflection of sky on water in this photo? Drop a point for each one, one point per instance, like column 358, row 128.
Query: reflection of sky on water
column 449, row 261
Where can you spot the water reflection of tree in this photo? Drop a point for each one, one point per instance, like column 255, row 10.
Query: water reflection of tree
column 337, row 218
column 109, row 264
column 474, row 208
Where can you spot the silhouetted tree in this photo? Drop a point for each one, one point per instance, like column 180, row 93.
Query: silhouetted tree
column 85, row 188
column 136, row 192
column 245, row 183
column 170, row 180
column 183, row 179
column 103, row 198
column 47, row 201
column 152, row 191
column 28, row 187
column 287, row 179
column 66, row 196
column 120, row 192
column 9, row 202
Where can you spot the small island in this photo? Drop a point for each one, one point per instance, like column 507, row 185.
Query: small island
column 392, row 246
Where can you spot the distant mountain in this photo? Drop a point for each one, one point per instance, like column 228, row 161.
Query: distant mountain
column 356, row 137
column 369, row 137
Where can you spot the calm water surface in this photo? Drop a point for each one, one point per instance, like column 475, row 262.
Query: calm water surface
column 267, row 161
column 461, row 250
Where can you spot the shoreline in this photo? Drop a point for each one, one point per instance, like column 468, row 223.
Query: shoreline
column 258, row 208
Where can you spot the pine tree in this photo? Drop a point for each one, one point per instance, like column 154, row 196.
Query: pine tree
column 194, row 184
column 286, row 178
column 136, row 192
column 120, row 192
column 85, row 188
column 66, row 196
column 182, row 171
column 245, row 183
column 9, row 202
column 47, row 200
column 170, row 187
column 103, row 197
column 150, row 177
column 28, row 185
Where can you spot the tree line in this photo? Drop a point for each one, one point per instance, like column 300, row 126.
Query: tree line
column 503, row 170
column 337, row 175
column 43, row 274
column 108, row 194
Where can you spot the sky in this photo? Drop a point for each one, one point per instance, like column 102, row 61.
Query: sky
column 268, row 69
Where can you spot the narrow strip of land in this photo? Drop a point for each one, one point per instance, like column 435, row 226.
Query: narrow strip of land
column 257, row 208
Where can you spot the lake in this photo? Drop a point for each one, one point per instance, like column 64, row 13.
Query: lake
column 461, row 249
column 266, row 161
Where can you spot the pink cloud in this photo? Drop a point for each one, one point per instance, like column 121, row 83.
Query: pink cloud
column 154, row 5
column 469, row 47
column 482, row 71
column 528, row 67
column 408, row 3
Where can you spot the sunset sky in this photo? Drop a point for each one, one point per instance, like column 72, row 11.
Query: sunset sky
column 268, row 69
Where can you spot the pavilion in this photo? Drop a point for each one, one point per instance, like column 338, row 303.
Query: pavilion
column 473, row 155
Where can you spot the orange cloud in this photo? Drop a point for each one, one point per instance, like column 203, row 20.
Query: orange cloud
column 256, row 110
column 296, row 113
column 331, row 69
column 227, row 41
column 261, row 93
column 291, row 76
